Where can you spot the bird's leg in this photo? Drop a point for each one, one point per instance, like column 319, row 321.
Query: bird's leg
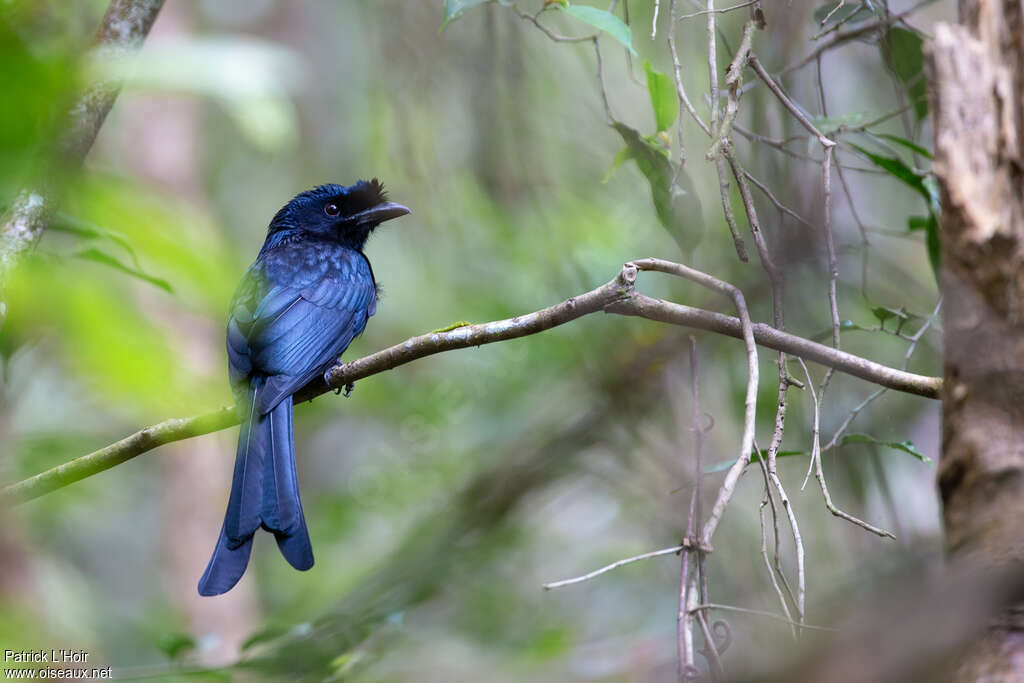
column 348, row 387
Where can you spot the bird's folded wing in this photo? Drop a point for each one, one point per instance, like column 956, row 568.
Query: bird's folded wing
column 290, row 332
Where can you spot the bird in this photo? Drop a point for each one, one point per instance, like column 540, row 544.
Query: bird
column 308, row 294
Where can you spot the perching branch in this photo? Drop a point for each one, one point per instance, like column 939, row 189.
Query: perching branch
column 121, row 33
column 617, row 296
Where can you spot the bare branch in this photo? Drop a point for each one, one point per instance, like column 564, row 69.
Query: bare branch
column 755, row 64
column 750, row 404
column 688, row 583
column 853, row 34
column 617, row 296
column 613, row 565
column 722, row 10
column 535, row 20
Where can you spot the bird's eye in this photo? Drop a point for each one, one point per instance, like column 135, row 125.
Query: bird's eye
column 332, row 209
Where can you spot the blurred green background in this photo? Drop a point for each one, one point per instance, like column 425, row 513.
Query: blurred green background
column 442, row 494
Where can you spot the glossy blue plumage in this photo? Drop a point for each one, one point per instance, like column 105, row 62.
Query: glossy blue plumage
column 307, row 296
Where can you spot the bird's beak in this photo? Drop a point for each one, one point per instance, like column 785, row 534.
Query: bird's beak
column 380, row 213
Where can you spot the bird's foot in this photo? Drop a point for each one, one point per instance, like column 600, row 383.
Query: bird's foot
column 347, row 388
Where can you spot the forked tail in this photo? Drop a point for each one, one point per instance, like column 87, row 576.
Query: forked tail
column 264, row 492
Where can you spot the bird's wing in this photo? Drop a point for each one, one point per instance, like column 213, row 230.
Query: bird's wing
column 295, row 313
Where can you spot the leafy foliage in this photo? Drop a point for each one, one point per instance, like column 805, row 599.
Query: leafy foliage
column 664, row 101
column 903, row 54
column 674, row 210
column 903, row 142
column 899, row 170
column 602, row 20
column 94, row 254
column 903, row 446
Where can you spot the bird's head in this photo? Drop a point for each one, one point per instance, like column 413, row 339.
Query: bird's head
column 347, row 214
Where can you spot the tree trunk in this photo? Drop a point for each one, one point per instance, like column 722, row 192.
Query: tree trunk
column 978, row 77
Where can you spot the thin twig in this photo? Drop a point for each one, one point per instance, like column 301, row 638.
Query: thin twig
column 600, row 82
column 767, row 262
column 730, row 218
column 535, row 20
column 765, row 502
column 710, row 650
column 734, row 82
column 797, row 113
column 722, row 10
column 684, row 101
column 613, row 565
column 750, row 404
column 684, row 620
column 819, row 472
column 771, row 197
column 723, row 178
column 770, row 615
column 853, row 34
column 832, row 11
column 914, row 339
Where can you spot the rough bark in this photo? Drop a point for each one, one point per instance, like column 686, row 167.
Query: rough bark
column 978, row 76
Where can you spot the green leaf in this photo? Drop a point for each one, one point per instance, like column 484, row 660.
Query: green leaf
column 623, row 155
column 176, row 645
column 755, row 456
column 850, row 12
column 884, row 313
column 453, row 9
column 673, row 211
column 927, row 187
column 914, row 147
column 898, row 169
column 903, row 55
column 265, row 635
column 62, row 222
column 905, row 446
column 844, row 326
column 93, row 254
column 918, row 223
column 664, row 100
column 603, row 21
column 827, row 124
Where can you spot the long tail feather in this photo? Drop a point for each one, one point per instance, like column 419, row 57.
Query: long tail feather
column 282, row 508
column 226, row 566
column 264, row 492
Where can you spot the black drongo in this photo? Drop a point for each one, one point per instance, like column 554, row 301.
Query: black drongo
column 307, row 296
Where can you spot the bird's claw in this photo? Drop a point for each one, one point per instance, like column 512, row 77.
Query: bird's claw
column 347, row 388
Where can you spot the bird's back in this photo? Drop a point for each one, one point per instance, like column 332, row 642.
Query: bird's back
column 297, row 309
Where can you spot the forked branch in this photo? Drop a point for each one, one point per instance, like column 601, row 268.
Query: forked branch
column 618, row 296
